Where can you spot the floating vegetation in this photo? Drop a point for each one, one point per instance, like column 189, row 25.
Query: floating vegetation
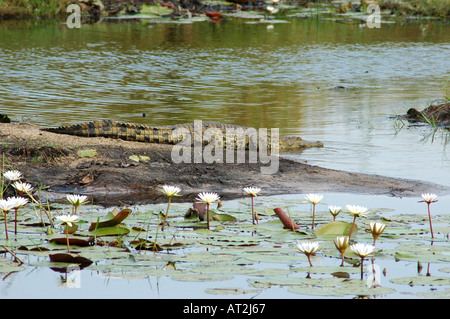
column 125, row 243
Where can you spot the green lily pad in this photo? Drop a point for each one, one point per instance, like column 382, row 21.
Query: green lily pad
column 111, row 231
column 113, row 218
column 231, row 291
column 200, row 277
column 422, row 281
column 423, row 253
column 7, row 266
column 223, row 217
column 336, row 228
column 156, row 10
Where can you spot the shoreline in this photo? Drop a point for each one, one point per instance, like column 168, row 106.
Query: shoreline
column 343, row 11
column 61, row 164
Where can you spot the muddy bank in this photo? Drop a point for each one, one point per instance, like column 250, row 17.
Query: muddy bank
column 60, row 164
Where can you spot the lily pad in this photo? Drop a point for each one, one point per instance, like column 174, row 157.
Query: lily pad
column 111, row 231
column 113, row 218
column 231, row 291
column 69, row 258
column 200, row 277
column 336, row 228
column 156, row 10
column 422, row 281
column 72, row 241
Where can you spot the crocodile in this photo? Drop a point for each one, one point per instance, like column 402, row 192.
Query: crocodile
column 437, row 113
column 241, row 136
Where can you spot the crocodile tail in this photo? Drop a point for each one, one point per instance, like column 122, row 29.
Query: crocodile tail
column 117, row 130
column 89, row 129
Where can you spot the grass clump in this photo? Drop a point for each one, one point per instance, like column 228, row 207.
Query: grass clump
column 32, row 8
column 427, row 8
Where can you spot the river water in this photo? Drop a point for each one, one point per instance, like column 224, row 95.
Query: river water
column 321, row 80
column 338, row 83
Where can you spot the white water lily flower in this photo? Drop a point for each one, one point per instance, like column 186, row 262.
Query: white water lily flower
column 67, row 219
column 377, row 228
column 23, row 187
column 171, row 190
column 429, row 198
column 12, row 175
column 314, row 198
column 308, row 248
column 6, row 205
column 208, row 198
column 362, row 250
column 18, row 202
column 253, row 191
column 334, row 210
column 77, row 200
column 357, row 210
column 342, row 243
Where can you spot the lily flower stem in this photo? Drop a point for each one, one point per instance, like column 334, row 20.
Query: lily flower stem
column 253, row 213
column 342, row 254
column 15, row 221
column 309, row 259
column 41, row 207
column 362, row 268
column 314, row 213
column 167, row 213
column 429, row 217
column 207, row 215
column 6, row 227
column 156, row 235
column 67, row 238
column 351, row 229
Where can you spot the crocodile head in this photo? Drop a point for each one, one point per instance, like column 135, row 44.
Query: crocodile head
column 296, row 143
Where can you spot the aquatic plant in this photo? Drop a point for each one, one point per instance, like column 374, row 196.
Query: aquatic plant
column 308, row 248
column 17, row 202
column 22, row 188
column 6, row 205
column 26, row 189
column 68, row 221
column 76, row 201
column 429, row 198
column 341, row 243
column 170, row 191
column 362, row 250
column 253, row 191
column 12, row 175
column 334, row 210
column 356, row 211
column 376, row 229
column 208, row 199
column 314, row 199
